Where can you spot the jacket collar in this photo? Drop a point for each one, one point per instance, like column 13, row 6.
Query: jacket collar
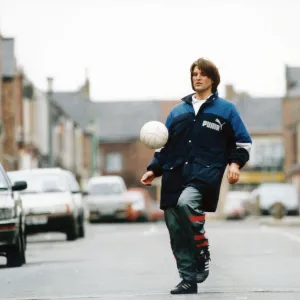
column 189, row 98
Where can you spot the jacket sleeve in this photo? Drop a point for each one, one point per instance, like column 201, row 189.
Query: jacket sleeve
column 160, row 154
column 240, row 151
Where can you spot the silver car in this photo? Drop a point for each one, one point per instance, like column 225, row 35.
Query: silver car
column 105, row 198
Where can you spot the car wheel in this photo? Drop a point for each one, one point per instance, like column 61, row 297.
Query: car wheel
column 72, row 232
column 142, row 218
column 16, row 253
column 24, row 246
column 278, row 210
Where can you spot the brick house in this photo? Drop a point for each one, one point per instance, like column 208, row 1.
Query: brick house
column 263, row 118
column 119, row 129
column 9, row 104
column 291, row 123
column 27, row 125
column 75, row 133
column 115, row 129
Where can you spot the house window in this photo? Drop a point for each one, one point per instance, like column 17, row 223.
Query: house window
column 267, row 154
column 113, row 162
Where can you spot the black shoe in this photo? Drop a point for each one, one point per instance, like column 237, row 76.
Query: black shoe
column 203, row 265
column 185, row 287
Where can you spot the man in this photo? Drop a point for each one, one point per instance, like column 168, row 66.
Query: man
column 206, row 134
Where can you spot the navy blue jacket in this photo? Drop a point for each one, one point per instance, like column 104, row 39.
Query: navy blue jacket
column 199, row 149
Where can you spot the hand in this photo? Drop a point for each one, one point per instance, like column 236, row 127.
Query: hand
column 147, row 178
column 233, row 174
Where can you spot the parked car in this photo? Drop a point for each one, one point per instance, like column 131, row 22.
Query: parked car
column 136, row 206
column 12, row 221
column 266, row 199
column 234, row 206
column 155, row 213
column 50, row 202
column 105, row 198
column 151, row 210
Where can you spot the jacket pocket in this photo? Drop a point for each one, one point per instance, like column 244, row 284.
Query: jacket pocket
column 172, row 177
column 210, row 173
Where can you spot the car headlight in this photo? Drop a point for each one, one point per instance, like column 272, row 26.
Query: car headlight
column 6, row 213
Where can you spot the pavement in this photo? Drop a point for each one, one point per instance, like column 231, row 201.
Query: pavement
column 250, row 260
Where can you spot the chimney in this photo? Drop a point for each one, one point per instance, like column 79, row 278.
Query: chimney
column 85, row 89
column 230, row 93
column 50, row 85
column 286, row 80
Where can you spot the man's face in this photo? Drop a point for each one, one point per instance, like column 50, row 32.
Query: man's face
column 201, row 82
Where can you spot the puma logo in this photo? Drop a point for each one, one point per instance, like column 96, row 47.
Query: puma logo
column 219, row 122
column 214, row 126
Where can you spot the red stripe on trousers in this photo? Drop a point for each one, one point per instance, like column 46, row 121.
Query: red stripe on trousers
column 197, row 218
column 199, row 237
column 204, row 244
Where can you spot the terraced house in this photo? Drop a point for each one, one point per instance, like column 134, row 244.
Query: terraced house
column 10, row 78
column 263, row 118
column 291, row 122
column 36, row 130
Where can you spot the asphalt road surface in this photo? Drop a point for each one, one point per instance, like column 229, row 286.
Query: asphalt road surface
column 134, row 261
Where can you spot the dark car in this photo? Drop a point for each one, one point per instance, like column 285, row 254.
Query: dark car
column 12, row 221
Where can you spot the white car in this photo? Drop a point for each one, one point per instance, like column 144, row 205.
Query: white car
column 267, row 195
column 105, row 198
column 234, row 206
column 50, row 202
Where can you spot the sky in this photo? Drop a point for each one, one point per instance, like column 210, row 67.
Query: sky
column 142, row 49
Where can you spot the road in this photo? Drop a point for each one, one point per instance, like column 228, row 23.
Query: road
column 134, row 261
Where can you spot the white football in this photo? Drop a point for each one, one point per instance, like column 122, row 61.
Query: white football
column 154, row 134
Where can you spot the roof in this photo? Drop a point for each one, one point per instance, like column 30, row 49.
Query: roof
column 261, row 114
column 75, row 105
column 9, row 66
column 122, row 121
column 115, row 121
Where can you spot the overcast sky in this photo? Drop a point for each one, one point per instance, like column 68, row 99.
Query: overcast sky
column 142, row 49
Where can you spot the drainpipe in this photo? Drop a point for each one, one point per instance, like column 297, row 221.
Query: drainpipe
column 49, row 99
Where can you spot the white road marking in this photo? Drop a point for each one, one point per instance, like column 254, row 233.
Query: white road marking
column 287, row 234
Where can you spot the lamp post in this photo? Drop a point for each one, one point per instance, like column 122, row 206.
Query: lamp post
column 94, row 146
column 49, row 100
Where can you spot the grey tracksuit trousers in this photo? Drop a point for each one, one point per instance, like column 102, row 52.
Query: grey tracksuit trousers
column 185, row 223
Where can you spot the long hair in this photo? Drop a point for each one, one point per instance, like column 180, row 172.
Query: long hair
column 209, row 69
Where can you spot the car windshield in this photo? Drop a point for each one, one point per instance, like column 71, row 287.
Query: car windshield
column 104, row 188
column 41, row 183
column 3, row 182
